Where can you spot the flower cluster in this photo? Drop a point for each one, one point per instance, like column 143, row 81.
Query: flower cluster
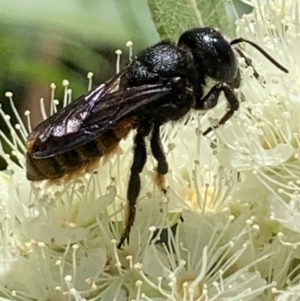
column 228, row 227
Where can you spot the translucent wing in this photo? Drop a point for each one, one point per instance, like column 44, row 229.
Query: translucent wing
column 91, row 115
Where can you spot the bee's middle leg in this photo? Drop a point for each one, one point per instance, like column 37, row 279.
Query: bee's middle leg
column 158, row 153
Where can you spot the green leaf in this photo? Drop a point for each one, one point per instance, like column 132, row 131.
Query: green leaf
column 172, row 17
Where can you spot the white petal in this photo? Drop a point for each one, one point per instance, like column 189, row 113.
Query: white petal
column 242, row 284
column 287, row 296
column 154, row 262
column 286, row 214
column 43, row 232
column 262, row 158
column 90, row 265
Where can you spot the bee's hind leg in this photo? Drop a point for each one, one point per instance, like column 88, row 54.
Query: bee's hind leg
column 134, row 185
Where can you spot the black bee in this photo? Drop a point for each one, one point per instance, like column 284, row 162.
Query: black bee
column 163, row 83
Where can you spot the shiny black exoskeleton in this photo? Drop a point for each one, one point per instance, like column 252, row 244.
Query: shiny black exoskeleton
column 201, row 53
column 163, row 83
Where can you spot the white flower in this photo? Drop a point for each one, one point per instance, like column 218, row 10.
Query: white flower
column 201, row 260
column 227, row 228
column 199, row 178
column 264, row 136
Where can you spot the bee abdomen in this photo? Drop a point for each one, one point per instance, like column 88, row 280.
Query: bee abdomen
column 42, row 169
column 77, row 161
column 73, row 161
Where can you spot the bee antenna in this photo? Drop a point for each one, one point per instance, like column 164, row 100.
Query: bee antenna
column 262, row 51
